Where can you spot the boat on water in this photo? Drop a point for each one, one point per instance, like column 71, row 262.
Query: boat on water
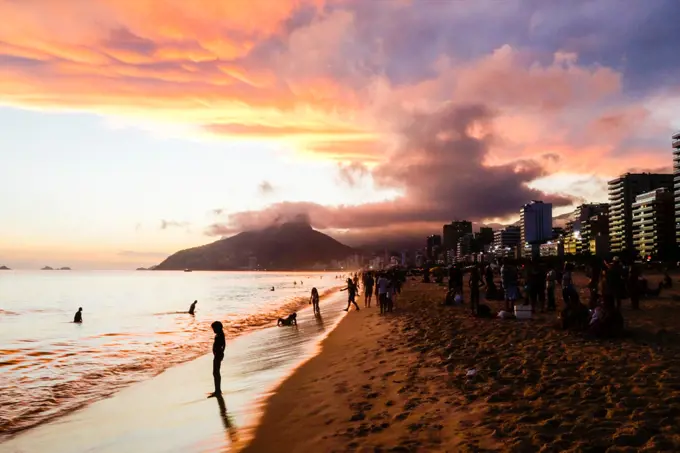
column 187, row 270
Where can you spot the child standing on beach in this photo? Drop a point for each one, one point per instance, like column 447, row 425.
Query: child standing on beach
column 218, row 355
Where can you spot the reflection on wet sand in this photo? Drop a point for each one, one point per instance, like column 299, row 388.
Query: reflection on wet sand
column 229, row 427
column 319, row 322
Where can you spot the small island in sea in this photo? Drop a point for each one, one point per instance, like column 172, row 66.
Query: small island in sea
column 47, row 268
column 5, row 268
column 64, row 268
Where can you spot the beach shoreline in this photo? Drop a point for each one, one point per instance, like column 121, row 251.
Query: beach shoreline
column 170, row 412
column 173, row 338
column 367, row 390
column 433, row 378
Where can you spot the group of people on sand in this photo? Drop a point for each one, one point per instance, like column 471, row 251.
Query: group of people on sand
column 610, row 282
column 385, row 285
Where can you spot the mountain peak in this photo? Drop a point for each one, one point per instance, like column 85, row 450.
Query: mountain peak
column 281, row 246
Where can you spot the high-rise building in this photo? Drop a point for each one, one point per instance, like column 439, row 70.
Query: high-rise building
column 596, row 229
column 465, row 247
column 622, row 193
column 676, row 180
column 505, row 240
column 582, row 216
column 453, row 232
column 535, row 226
column 654, row 224
column 485, row 236
column 434, row 242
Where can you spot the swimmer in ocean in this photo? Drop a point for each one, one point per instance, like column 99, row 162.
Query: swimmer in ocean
column 192, row 309
column 78, row 318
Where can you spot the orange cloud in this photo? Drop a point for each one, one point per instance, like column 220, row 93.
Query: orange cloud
column 239, row 69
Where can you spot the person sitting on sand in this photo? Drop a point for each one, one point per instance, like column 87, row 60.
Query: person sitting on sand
column 219, row 345
column 575, row 316
column 78, row 318
column 606, row 321
column 192, row 309
column 314, row 300
column 351, row 294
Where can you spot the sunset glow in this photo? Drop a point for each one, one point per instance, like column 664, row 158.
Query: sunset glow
column 135, row 128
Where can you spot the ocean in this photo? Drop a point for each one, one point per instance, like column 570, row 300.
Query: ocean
column 135, row 325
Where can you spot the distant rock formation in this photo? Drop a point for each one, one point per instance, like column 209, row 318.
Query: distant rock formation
column 64, row 268
column 47, row 268
column 150, row 268
column 5, row 268
column 287, row 246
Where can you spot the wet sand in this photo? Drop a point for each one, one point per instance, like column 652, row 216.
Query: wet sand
column 400, row 383
column 171, row 413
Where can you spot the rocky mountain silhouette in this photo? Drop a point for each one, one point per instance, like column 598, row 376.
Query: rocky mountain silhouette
column 287, row 246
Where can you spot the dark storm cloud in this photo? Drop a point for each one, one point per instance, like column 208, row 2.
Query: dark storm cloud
column 439, row 166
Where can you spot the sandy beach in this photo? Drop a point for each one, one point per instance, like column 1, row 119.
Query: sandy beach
column 401, row 382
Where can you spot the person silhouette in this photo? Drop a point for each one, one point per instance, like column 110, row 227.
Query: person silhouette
column 78, row 318
column 314, row 300
column 218, row 355
column 192, row 309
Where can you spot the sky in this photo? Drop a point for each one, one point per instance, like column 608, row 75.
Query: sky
column 135, row 128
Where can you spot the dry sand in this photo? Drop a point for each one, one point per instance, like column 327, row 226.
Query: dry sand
column 399, row 383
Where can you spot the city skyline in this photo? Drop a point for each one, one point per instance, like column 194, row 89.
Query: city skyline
column 132, row 130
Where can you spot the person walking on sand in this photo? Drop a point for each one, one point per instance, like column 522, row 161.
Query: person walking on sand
column 314, row 300
column 218, row 355
column 192, row 309
column 382, row 284
column 78, row 318
column 369, row 283
column 351, row 294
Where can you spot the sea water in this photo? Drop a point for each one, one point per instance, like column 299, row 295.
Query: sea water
column 135, row 325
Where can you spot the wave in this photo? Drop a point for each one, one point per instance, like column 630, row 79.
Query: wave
column 53, row 401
